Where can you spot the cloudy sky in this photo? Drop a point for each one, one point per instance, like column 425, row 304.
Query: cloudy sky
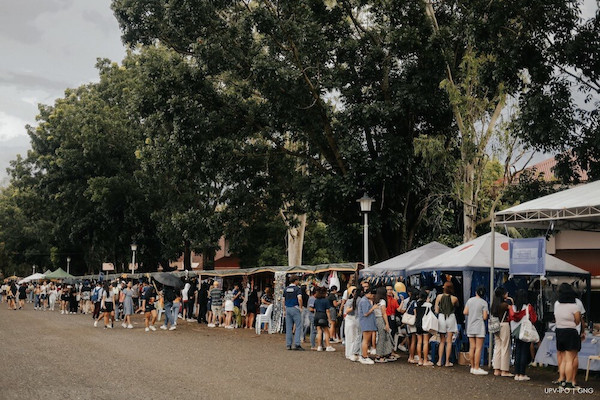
column 47, row 46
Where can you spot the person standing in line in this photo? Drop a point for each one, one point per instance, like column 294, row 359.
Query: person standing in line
column 384, row 344
column 351, row 325
column 333, row 313
column 310, row 305
column 128, row 305
column 518, row 312
column 203, row 303
column 293, row 314
column 169, row 295
column 192, row 294
column 118, row 301
column 445, row 304
column 185, row 299
column 423, row 306
column 238, row 298
column 409, row 306
column 568, row 340
column 500, row 309
column 251, row 306
column 477, row 312
column 216, row 298
column 368, row 326
column 322, row 307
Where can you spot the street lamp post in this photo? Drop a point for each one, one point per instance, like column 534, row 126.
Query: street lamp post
column 133, row 250
column 365, row 208
column 68, row 263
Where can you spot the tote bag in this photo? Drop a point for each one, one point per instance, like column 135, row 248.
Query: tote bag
column 430, row 321
column 528, row 333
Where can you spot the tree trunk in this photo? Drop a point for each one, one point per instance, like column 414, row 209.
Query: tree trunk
column 295, row 236
column 208, row 259
column 469, row 202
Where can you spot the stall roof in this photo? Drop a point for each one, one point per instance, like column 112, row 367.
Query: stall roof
column 577, row 208
column 476, row 255
column 397, row 266
column 342, row 267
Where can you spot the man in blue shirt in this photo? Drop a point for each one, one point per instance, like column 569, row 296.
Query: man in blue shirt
column 293, row 314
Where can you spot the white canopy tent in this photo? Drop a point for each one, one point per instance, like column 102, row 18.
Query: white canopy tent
column 35, row 277
column 477, row 254
column 577, row 208
column 397, row 266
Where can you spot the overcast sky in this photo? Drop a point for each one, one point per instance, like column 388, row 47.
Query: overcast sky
column 48, row 46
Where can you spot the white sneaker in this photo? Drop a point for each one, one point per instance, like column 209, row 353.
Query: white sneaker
column 479, row 371
column 109, row 327
column 62, row 311
column 403, row 348
column 353, row 357
column 320, row 348
column 129, row 326
column 147, row 329
column 172, row 328
column 329, row 348
column 190, row 320
column 163, row 327
column 124, row 325
column 372, row 352
column 211, row 325
column 152, row 328
column 366, row 361
column 95, row 324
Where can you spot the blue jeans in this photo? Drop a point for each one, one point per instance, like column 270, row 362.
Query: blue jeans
column 168, row 307
column 293, row 316
column 176, row 307
column 313, row 330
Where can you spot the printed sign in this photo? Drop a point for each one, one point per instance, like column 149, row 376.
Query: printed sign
column 527, row 256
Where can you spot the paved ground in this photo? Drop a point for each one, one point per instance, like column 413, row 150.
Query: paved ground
column 51, row 356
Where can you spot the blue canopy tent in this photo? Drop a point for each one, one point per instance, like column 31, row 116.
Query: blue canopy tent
column 396, row 266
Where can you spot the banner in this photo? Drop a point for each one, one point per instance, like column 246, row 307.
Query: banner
column 527, row 256
column 108, row 267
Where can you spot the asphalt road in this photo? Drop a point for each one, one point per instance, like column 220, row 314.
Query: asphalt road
column 51, row 356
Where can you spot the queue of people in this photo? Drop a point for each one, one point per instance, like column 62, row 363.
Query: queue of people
column 372, row 323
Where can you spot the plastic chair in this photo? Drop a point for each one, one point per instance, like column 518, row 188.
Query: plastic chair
column 265, row 319
column 590, row 358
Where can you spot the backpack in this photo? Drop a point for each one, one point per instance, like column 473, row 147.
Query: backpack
column 95, row 294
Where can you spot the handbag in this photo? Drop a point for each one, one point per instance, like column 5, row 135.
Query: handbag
column 526, row 332
column 430, row 321
column 494, row 323
column 409, row 319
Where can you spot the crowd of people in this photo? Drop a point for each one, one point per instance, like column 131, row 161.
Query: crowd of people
column 374, row 324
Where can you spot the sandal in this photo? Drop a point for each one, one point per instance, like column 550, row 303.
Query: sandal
column 449, row 364
column 428, row 364
column 509, row 375
column 439, row 364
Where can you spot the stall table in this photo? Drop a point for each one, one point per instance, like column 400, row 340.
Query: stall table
column 546, row 353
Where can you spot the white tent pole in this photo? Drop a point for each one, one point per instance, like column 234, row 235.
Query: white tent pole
column 493, row 251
